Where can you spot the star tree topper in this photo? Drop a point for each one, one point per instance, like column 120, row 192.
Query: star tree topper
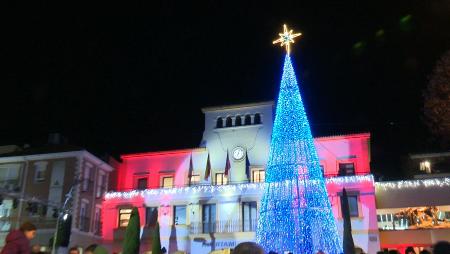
column 286, row 38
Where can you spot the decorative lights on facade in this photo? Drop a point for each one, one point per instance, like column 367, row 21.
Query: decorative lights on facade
column 218, row 189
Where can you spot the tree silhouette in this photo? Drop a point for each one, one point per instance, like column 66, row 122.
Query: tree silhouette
column 131, row 240
column 436, row 107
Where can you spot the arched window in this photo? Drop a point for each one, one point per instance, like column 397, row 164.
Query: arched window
column 257, row 119
column 248, row 120
column 229, row 122
column 238, row 121
column 219, row 123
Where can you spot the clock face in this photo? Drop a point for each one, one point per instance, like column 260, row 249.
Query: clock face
column 238, row 153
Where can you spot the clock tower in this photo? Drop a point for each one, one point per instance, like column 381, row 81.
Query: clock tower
column 241, row 130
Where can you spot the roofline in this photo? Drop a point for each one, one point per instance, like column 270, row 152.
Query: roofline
column 352, row 135
column 57, row 155
column 167, row 152
column 428, row 155
column 234, row 106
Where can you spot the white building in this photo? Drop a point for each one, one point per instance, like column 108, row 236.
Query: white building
column 203, row 205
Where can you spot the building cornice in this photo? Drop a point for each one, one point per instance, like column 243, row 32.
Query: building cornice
column 237, row 106
column 344, row 136
column 61, row 155
column 160, row 153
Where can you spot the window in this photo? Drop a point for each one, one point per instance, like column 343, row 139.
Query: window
column 195, row 179
column 167, row 182
column 228, row 122
column 221, row 179
column 39, row 171
column 151, row 216
column 238, row 121
column 97, row 222
column 142, row 183
column 249, row 216
column 209, row 218
column 179, row 215
column 84, row 219
column 322, row 169
column 257, row 119
column 124, row 217
column 9, row 177
column 101, row 183
column 425, row 166
column 248, row 120
column 86, row 178
column 353, row 205
column 259, row 176
column 219, row 123
column 346, row 169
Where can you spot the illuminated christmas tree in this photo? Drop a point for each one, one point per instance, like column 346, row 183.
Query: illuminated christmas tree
column 295, row 213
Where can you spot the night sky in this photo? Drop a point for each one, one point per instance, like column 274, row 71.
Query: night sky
column 136, row 81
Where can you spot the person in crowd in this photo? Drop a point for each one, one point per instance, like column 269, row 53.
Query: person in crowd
column 272, row 252
column 393, row 252
column 18, row 241
column 90, row 249
column 248, row 248
column 410, row 250
column 95, row 249
column 320, row 252
column 442, row 247
column 74, row 250
column 36, row 249
column 380, row 252
column 425, row 252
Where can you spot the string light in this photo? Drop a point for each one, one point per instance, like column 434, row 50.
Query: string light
column 295, row 213
column 414, row 184
column 236, row 189
column 350, row 179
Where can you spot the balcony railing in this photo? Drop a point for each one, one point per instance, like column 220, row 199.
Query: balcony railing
column 224, row 226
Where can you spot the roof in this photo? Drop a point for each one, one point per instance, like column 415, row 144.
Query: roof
column 157, row 153
column 236, row 106
column 429, row 155
column 43, row 150
column 345, row 136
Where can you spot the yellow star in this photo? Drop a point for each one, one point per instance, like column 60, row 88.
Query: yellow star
column 286, row 38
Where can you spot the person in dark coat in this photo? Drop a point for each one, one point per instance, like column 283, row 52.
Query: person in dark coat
column 18, row 241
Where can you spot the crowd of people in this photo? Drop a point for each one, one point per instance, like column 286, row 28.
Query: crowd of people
column 442, row 247
column 18, row 242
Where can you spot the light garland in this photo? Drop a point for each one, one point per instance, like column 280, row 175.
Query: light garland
column 222, row 189
column 350, row 179
column 414, row 184
column 295, row 213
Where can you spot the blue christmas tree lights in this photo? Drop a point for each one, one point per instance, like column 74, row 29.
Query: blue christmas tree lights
column 295, row 213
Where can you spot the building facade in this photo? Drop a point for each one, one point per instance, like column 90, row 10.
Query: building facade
column 207, row 198
column 416, row 212
column 34, row 184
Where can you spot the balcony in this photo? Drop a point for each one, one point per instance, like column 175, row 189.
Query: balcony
column 11, row 185
column 6, row 223
column 225, row 226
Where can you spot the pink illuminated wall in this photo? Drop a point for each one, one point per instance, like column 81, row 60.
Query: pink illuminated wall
column 154, row 166
column 354, row 148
